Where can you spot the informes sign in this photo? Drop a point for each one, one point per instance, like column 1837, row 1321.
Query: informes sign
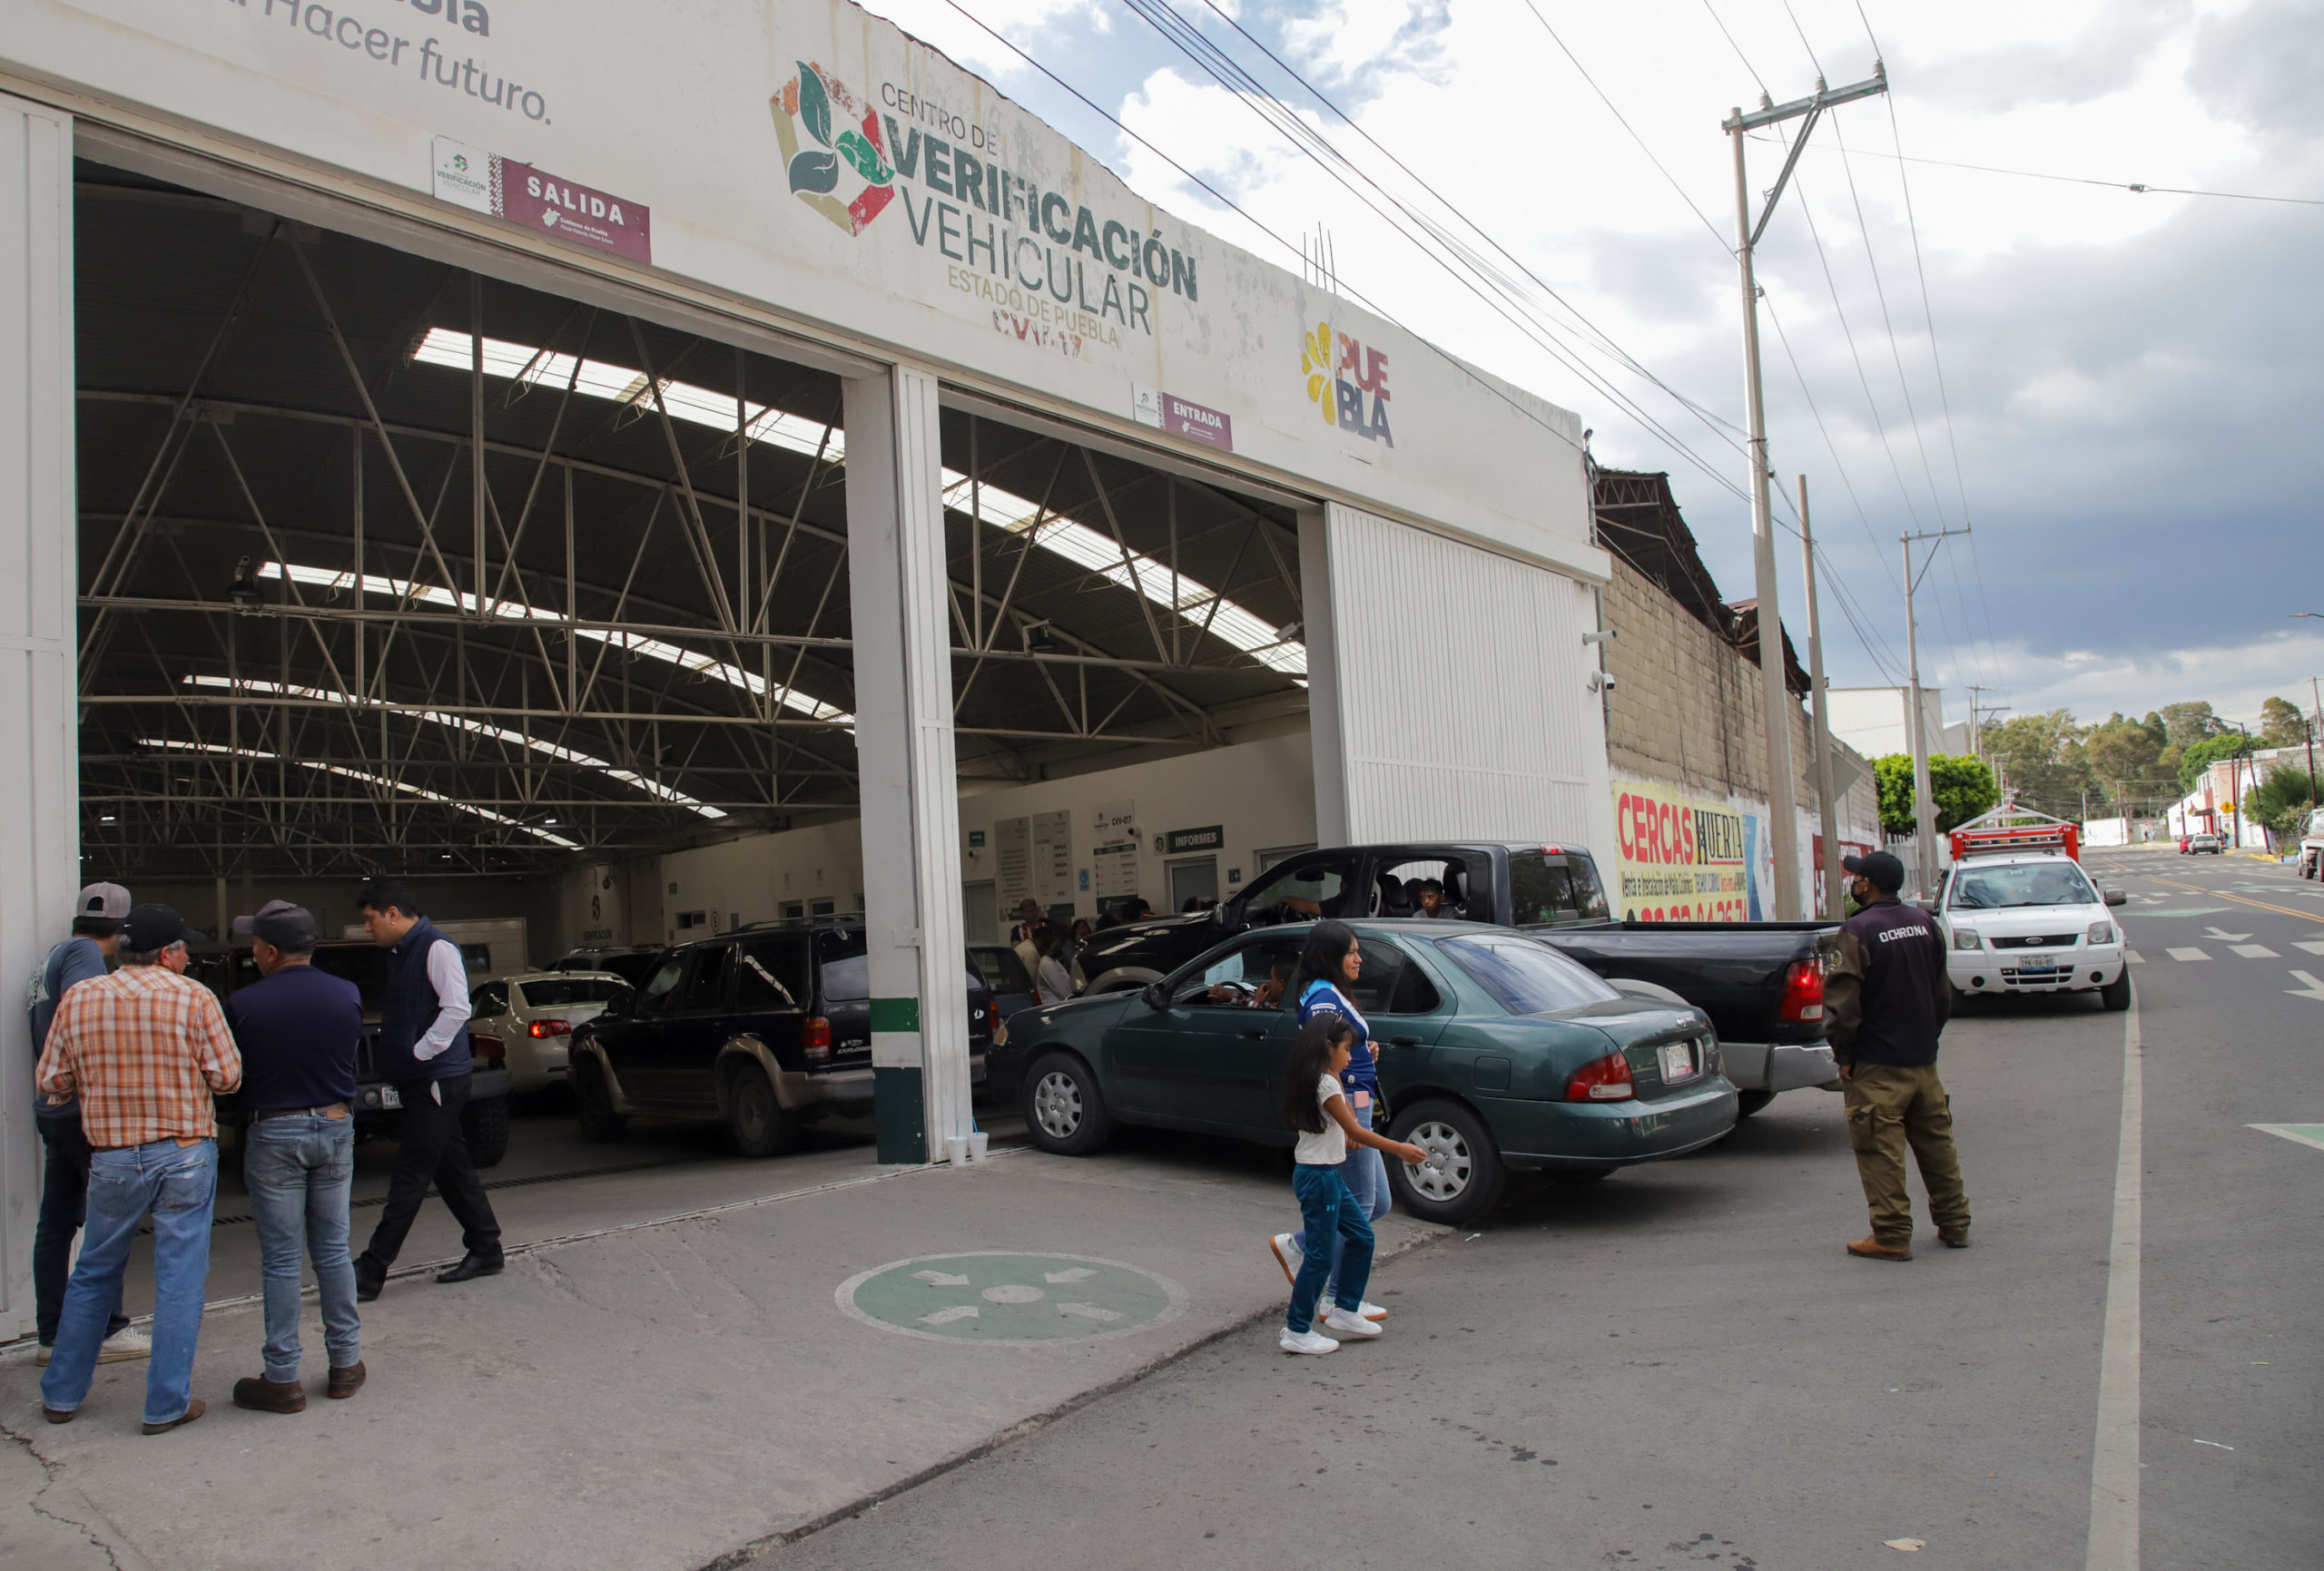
column 1682, row 859
column 1184, row 842
column 575, row 215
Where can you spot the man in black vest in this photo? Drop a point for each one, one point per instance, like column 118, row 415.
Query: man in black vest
column 1886, row 1003
column 423, row 1053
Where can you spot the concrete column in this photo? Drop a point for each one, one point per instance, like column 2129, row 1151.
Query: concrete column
column 904, row 756
column 1327, row 732
column 40, row 764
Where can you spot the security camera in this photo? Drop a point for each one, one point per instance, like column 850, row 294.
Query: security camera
column 1600, row 682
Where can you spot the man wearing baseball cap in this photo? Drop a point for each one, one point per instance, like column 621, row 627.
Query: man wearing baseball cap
column 64, row 1182
column 298, row 1029
column 144, row 1048
column 1885, row 1004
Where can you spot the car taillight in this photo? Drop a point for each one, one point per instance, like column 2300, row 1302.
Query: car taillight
column 540, row 1029
column 992, row 1015
column 816, row 1037
column 1803, row 993
column 1607, row 1079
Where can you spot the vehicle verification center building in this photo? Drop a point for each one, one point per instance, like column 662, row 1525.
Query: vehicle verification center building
column 745, row 390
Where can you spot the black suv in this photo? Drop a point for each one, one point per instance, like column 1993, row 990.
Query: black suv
column 759, row 1029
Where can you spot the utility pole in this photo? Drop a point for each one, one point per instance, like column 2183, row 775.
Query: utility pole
column 2310, row 727
column 1776, row 693
column 1924, row 796
column 1820, row 739
column 1978, row 718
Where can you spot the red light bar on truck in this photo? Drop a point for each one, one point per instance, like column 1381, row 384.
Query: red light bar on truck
column 2047, row 836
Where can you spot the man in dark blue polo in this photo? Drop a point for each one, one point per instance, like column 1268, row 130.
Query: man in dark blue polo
column 298, row 1029
column 1886, row 1003
column 423, row 1053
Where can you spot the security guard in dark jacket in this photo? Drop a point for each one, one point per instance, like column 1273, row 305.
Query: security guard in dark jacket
column 1885, row 1003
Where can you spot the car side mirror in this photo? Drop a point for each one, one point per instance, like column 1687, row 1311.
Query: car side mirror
column 2117, row 897
column 1154, row 996
column 1928, row 905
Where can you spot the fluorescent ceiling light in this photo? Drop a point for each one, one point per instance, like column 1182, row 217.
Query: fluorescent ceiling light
column 638, row 644
column 1077, row 542
column 651, row 787
column 168, row 745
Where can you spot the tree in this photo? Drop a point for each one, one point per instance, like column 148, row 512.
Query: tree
column 2283, row 801
column 1963, row 787
column 2281, row 724
column 2121, row 751
column 2042, row 759
column 2188, row 723
column 2202, row 755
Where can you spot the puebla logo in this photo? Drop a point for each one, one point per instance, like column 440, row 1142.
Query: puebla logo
column 846, row 177
column 1347, row 383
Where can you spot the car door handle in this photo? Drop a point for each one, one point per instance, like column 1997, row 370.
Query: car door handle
column 1255, row 1033
column 1403, row 1041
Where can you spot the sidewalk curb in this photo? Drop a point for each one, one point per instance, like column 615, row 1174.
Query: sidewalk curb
column 736, row 1558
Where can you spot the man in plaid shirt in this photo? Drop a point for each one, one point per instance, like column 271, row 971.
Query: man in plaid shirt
column 144, row 1048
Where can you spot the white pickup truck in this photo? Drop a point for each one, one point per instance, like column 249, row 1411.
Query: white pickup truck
column 2312, row 847
column 2018, row 915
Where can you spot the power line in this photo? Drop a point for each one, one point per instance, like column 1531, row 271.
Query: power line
column 2141, row 187
column 1737, row 47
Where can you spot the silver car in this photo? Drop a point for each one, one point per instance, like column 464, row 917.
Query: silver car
column 532, row 1015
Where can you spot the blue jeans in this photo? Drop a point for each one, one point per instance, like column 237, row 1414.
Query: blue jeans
column 64, row 1198
column 178, row 1185
column 300, row 1169
column 1333, row 1222
column 1366, row 1173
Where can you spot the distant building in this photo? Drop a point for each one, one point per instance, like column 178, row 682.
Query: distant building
column 1872, row 720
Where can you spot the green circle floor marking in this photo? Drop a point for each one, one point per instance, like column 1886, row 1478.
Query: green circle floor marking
column 996, row 1296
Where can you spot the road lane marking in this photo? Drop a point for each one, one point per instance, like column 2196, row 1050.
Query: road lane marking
column 2239, row 899
column 2190, row 954
column 2257, row 952
column 2314, row 989
column 2299, row 1133
column 2223, row 936
column 2114, row 1544
column 2134, row 957
column 2313, row 946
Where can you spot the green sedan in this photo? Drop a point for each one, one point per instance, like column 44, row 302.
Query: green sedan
column 1496, row 1052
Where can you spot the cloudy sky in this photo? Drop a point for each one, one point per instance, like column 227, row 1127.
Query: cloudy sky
column 2121, row 389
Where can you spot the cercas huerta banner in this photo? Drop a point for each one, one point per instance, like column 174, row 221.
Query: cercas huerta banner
column 1685, row 859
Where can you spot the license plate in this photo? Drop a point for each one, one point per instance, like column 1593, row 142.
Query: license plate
column 1677, row 1060
column 2033, row 962
column 391, row 1097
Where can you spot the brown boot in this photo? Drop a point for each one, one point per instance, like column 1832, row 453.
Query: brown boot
column 1954, row 1237
column 346, row 1382
column 265, row 1396
column 193, row 1410
column 1873, row 1248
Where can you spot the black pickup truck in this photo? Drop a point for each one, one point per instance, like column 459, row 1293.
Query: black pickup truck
column 1761, row 983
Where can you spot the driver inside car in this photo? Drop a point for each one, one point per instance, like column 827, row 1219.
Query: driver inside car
column 1268, row 994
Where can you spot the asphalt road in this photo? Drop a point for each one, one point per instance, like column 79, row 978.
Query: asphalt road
column 1680, row 1366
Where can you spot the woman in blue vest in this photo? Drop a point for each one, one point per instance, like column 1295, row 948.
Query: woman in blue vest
column 423, row 1052
column 1328, row 969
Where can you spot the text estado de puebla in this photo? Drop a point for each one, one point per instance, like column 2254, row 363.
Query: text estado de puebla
column 1033, row 236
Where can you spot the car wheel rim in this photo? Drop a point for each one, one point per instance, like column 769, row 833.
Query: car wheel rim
column 750, row 1113
column 1056, row 1105
column 1450, row 1166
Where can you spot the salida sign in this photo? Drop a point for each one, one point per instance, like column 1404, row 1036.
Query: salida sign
column 1684, row 860
column 1054, row 274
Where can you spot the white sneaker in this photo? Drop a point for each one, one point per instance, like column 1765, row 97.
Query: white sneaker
column 1348, row 1325
column 1310, row 1342
column 1370, row 1310
column 124, row 1345
column 1290, row 1253
column 40, row 1359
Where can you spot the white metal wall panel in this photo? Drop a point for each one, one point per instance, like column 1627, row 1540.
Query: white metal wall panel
column 1460, row 694
column 40, row 838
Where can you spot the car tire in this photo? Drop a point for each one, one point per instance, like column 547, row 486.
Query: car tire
column 758, row 1123
column 1065, row 1113
column 1472, row 1178
column 593, row 1103
column 2116, row 994
column 485, row 1125
column 1747, row 1103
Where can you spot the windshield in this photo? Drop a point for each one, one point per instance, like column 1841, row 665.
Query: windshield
column 2031, row 883
column 542, row 994
column 1525, row 977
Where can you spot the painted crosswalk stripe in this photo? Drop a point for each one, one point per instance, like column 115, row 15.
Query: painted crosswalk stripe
column 2302, row 1134
column 2313, row 946
column 2134, row 957
column 2256, row 952
column 2187, row 954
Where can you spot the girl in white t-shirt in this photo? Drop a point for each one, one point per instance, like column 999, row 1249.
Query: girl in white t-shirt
column 1316, row 1107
